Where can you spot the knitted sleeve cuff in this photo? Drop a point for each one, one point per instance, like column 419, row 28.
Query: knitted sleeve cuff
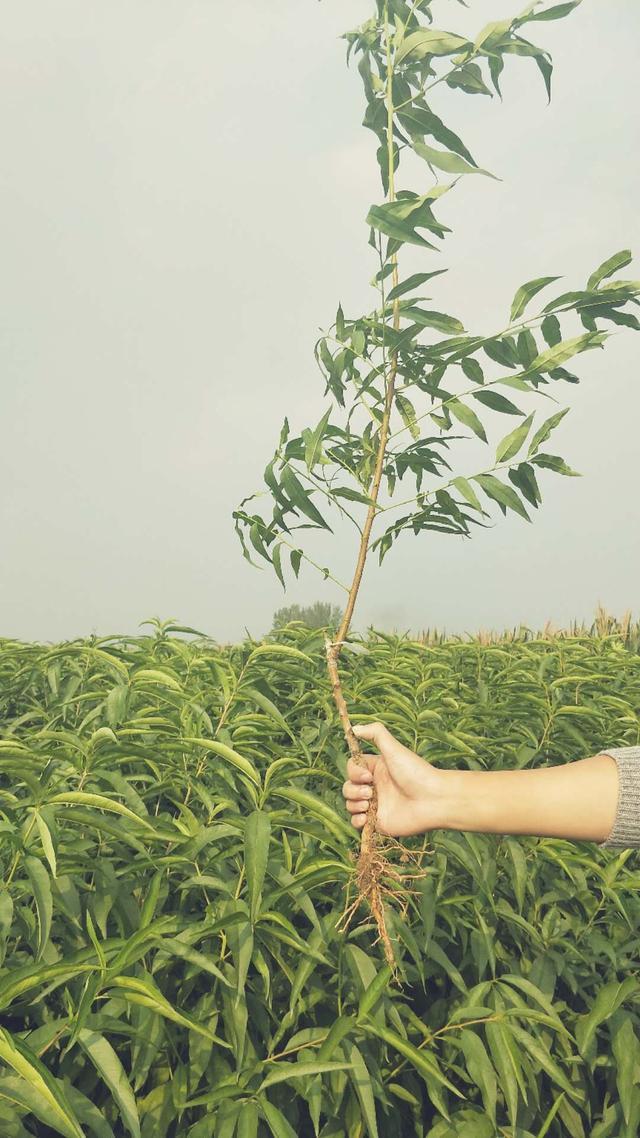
column 626, row 827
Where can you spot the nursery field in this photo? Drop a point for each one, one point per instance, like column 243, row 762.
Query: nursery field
column 175, row 855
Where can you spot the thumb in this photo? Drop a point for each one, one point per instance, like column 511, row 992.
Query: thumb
column 375, row 733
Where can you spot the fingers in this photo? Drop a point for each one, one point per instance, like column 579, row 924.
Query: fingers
column 356, row 792
column 357, row 773
column 358, row 788
column 358, row 806
column 357, row 798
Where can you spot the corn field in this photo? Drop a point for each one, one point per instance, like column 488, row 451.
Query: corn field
column 175, row 856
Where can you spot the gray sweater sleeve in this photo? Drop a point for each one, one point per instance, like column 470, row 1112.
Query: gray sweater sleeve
column 626, row 826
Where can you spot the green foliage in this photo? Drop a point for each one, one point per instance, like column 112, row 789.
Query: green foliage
column 321, row 614
column 444, row 377
column 173, row 856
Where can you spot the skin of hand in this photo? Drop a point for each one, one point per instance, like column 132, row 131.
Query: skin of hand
column 409, row 788
column 573, row 800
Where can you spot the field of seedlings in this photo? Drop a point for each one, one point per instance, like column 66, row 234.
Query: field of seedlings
column 175, row 857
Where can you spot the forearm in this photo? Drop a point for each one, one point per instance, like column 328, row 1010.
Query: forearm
column 575, row 800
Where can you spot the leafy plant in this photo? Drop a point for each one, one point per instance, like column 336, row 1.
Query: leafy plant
column 407, row 371
column 172, row 835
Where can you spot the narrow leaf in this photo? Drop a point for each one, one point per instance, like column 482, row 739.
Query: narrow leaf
column 511, row 443
column 256, row 851
column 526, row 292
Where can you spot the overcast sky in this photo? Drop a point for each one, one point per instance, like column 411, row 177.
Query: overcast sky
column 182, row 200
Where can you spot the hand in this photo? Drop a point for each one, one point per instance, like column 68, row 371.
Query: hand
column 410, row 790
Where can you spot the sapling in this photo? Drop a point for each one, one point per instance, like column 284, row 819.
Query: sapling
column 406, row 381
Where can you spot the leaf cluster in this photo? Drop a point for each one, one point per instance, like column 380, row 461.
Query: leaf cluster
column 174, row 855
column 450, row 385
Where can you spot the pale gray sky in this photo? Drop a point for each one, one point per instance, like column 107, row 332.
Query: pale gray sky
column 182, row 205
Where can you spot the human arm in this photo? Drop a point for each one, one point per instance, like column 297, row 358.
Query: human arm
column 594, row 799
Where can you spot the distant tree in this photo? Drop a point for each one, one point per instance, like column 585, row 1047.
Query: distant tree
column 322, row 614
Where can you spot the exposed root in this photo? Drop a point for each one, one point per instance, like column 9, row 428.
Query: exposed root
column 372, row 873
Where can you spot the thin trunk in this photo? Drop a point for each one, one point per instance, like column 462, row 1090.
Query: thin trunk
column 371, row 864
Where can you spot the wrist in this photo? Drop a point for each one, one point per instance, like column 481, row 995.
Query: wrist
column 445, row 805
column 462, row 802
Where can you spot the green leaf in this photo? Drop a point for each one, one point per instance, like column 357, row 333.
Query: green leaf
column 358, row 341
column 501, row 1047
column 373, row 992
column 551, row 330
column 502, row 351
column 555, row 13
column 427, row 42
column 24, row 979
column 554, row 462
column 155, row 676
column 173, row 946
column 524, row 478
column 608, row 267
column 248, row 1120
column 420, row 121
column 497, row 402
column 313, row 448
column 544, row 1061
column 472, row 370
column 423, row 1061
column 228, row 754
column 280, row 650
column 526, row 292
column 351, row 495
column 100, row 802
column 543, row 432
column 446, row 160
column 626, row 1052
column 111, row 1071
column 467, row 491
column 390, row 219
column 565, row 350
column 438, row 320
column 269, row 708
column 361, row 1080
column 312, row 804
column 511, row 443
column 480, row 1069
column 301, row 499
column 412, row 282
column 19, row 1057
column 90, row 1115
column 137, row 990
column 276, row 561
column 275, row 1120
column 407, row 414
column 465, row 415
column 610, row 997
column 41, row 886
column 468, row 78
column 527, row 347
column 47, row 841
column 504, row 495
column 256, row 851
column 282, row 1072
